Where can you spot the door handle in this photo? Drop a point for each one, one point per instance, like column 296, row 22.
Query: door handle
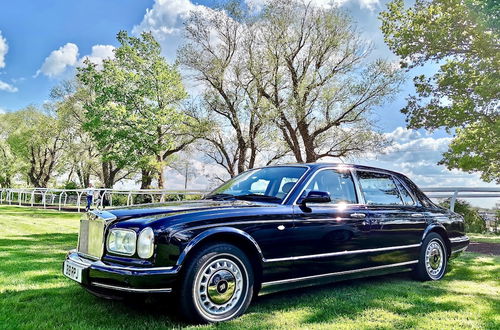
column 417, row 215
column 358, row 215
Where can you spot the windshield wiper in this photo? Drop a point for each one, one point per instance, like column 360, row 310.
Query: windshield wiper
column 257, row 196
column 219, row 196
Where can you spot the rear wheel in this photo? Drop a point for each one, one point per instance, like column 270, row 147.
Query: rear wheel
column 217, row 284
column 433, row 259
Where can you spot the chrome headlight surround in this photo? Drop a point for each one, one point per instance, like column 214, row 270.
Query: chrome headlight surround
column 122, row 241
column 145, row 243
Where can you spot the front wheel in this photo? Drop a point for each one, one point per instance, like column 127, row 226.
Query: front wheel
column 433, row 259
column 217, row 284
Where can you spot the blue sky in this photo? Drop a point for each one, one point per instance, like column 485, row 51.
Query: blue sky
column 33, row 29
column 41, row 43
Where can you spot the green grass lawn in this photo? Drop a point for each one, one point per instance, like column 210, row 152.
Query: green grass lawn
column 34, row 294
column 484, row 238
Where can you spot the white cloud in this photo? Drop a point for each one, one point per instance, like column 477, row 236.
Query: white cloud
column 4, row 48
column 67, row 56
column 7, row 87
column 99, row 53
column 402, row 134
column 58, row 60
column 416, row 155
column 165, row 17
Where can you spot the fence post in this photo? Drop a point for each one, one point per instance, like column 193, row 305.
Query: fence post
column 79, row 200
column 453, row 200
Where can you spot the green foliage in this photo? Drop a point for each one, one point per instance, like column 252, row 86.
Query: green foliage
column 134, row 114
column 34, row 138
column 70, row 185
column 474, row 223
column 8, row 163
column 462, row 37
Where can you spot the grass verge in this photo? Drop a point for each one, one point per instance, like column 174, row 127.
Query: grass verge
column 34, row 294
column 484, row 238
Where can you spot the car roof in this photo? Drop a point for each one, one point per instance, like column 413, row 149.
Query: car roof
column 354, row 166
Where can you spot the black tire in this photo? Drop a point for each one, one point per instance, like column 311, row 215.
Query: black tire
column 433, row 259
column 217, row 284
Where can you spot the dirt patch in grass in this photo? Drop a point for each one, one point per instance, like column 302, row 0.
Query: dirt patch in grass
column 485, row 248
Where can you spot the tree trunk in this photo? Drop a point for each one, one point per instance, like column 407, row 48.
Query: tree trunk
column 160, row 178
column 146, row 178
column 108, row 175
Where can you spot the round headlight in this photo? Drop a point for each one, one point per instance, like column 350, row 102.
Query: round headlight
column 145, row 243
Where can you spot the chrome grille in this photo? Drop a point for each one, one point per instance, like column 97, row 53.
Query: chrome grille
column 91, row 236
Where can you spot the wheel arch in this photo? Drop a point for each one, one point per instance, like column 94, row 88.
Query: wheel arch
column 235, row 236
column 441, row 230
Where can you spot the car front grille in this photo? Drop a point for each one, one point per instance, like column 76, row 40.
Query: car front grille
column 91, row 236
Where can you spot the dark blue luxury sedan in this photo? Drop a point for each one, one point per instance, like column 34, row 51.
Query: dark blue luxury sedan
column 270, row 227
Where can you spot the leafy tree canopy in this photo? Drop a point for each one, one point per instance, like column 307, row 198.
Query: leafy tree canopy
column 462, row 37
column 134, row 112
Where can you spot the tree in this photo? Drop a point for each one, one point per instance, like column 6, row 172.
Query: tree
column 8, row 163
column 133, row 113
column 81, row 154
column 301, row 68
column 215, row 54
column 312, row 67
column 462, row 37
column 35, row 139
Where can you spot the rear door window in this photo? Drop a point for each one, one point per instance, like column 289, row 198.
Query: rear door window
column 405, row 195
column 379, row 188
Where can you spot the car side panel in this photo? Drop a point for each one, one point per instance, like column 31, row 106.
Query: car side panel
column 262, row 229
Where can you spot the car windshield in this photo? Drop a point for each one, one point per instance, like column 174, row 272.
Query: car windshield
column 268, row 184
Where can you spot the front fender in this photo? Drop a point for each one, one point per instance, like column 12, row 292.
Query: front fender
column 218, row 231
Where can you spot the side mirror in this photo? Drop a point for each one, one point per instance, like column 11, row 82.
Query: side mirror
column 315, row 196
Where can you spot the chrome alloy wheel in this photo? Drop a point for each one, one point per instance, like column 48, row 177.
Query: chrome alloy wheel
column 434, row 259
column 220, row 288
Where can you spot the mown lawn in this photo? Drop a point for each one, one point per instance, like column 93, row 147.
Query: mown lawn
column 484, row 238
column 34, row 294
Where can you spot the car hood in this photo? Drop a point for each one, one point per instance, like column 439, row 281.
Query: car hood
column 157, row 211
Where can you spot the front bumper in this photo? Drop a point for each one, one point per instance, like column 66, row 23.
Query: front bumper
column 100, row 276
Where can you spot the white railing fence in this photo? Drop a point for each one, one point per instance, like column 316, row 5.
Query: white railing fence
column 76, row 198
column 455, row 193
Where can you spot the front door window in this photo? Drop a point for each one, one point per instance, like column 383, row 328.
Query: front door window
column 339, row 184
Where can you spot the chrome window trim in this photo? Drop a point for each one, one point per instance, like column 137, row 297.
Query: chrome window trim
column 410, row 192
column 459, row 239
column 359, row 270
column 357, row 185
column 341, row 253
column 121, row 253
column 126, row 289
column 336, row 168
column 395, row 181
column 290, row 193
